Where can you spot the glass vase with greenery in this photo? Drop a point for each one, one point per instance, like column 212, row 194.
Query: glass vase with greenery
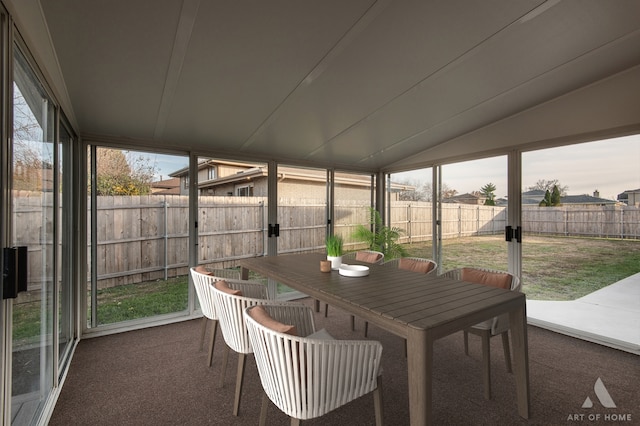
column 334, row 250
column 334, row 245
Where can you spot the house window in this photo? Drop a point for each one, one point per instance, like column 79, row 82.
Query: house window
column 185, row 182
column 212, row 173
column 244, row 191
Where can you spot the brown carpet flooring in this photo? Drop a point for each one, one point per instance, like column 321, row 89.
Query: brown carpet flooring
column 159, row 376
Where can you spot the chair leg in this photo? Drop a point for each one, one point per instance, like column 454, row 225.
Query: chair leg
column 214, row 329
column 486, row 360
column 377, row 402
column 203, row 330
column 242, row 360
column 316, row 305
column 507, row 352
column 366, row 328
column 326, row 309
column 466, row 342
column 353, row 323
column 263, row 409
column 224, row 365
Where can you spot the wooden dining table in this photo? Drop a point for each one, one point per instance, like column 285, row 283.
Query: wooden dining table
column 420, row 308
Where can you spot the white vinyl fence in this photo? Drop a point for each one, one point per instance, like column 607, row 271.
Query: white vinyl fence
column 146, row 238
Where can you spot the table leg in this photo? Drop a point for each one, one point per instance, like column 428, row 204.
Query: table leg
column 518, row 326
column 419, row 366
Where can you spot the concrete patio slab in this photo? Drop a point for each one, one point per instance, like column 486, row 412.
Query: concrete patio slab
column 609, row 316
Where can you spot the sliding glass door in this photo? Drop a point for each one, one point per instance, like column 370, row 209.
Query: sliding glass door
column 36, row 192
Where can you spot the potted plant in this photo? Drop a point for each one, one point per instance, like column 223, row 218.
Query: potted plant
column 380, row 237
column 334, row 250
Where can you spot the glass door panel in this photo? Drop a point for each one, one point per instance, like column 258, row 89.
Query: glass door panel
column 585, row 235
column 353, row 200
column 139, row 231
column 34, row 198
column 302, row 209
column 410, row 207
column 473, row 199
column 232, row 212
column 302, row 212
column 64, row 282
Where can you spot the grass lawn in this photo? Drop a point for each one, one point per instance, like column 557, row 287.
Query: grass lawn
column 142, row 300
column 554, row 268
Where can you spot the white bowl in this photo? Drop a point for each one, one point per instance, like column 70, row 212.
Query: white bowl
column 353, row 270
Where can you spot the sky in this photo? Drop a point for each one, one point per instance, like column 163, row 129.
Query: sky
column 610, row 166
column 166, row 164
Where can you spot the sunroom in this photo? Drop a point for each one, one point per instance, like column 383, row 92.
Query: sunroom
column 282, row 123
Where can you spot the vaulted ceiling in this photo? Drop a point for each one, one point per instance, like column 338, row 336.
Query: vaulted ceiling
column 372, row 85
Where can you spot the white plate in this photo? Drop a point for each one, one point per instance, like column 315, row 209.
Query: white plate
column 353, row 270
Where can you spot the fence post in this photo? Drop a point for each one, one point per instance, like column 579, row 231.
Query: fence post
column 409, row 222
column 166, row 238
column 265, row 238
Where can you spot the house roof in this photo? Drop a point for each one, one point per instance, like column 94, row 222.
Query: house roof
column 166, row 187
column 585, row 199
column 359, row 85
column 254, row 171
column 534, row 197
column 462, row 198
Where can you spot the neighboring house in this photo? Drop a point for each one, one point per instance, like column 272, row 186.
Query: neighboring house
column 535, row 196
column 465, row 199
column 166, row 187
column 232, row 178
column 630, row 197
column 532, row 197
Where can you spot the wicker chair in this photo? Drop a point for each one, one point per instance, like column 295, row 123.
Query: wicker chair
column 203, row 283
column 230, row 301
column 493, row 327
column 205, row 296
column 416, row 264
column 364, row 256
column 307, row 377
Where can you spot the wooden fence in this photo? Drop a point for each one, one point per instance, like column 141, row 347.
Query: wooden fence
column 146, row 238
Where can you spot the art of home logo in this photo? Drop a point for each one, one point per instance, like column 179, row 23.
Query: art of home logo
column 604, row 399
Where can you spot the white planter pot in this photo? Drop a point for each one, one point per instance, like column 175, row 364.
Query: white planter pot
column 336, row 261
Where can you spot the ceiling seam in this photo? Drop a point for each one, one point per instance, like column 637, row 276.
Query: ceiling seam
column 363, row 22
column 584, row 55
column 188, row 15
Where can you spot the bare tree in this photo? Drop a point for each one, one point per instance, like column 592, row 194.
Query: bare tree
column 32, row 159
column 424, row 192
column 548, row 185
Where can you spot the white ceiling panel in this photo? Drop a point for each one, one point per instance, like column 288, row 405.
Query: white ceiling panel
column 373, row 85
